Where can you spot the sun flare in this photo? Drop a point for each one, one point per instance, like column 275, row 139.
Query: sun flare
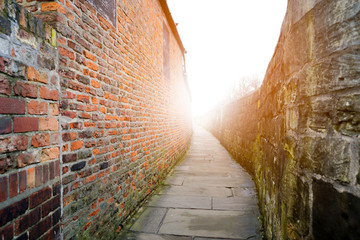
column 225, row 43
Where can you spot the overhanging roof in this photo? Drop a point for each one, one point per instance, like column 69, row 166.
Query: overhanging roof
column 172, row 24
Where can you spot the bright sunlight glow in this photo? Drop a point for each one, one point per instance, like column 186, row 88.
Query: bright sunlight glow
column 226, row 40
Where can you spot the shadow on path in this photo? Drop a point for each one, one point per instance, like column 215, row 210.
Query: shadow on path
column 208, row 196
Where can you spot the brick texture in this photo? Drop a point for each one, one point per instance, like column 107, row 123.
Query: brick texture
column 125, row 117
column 5, row 125
column 124, row 120
column 26, row 124
column 29, row 132
column 12, row 106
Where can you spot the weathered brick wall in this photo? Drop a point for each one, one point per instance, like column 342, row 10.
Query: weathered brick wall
column 299, row 133
column 29, row 129
column 101, row 102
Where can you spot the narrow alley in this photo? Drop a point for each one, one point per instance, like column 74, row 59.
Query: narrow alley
column 97, row 105
column 207, row 195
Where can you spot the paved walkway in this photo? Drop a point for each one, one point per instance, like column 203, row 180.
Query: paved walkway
column 208, row 196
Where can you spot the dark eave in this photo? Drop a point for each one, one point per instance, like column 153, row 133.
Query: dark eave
column 171, row 23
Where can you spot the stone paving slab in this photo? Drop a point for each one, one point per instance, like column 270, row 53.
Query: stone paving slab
column 175, row 201
column 209, row 223
column 175, row 180
column 147, row 236
column 235, row 203
column 202, row 173
column 200, row 167
column 197, row 191
column 212, row 169
column 149, row 220
column 207, row 197
column 218, row 182
column 201, row 238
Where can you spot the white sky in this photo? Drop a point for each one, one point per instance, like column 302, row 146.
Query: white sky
column 225, row 40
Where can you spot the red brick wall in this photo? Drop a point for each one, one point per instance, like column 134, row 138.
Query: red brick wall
column 121, row 125
column 29, row 129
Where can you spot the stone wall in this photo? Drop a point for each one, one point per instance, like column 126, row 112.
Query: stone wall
column 299, row 133
column 91, row 121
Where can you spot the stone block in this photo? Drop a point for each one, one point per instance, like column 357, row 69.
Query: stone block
column 66, row 158
column 5, row 163
column 46, row 62
column 28, row 39
column 299, row 213
column 36, row 75
column 13, row 143
column 40, row 140
column 25, row 89
column 5, row 85
column 26, row 158
column 104, row 165
column 5, row 26
column 4, row 45
column 86, row 154
column 347, row 120
column 326, row 156
column 48, row 154
column 335, row 214
column 78, row 166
